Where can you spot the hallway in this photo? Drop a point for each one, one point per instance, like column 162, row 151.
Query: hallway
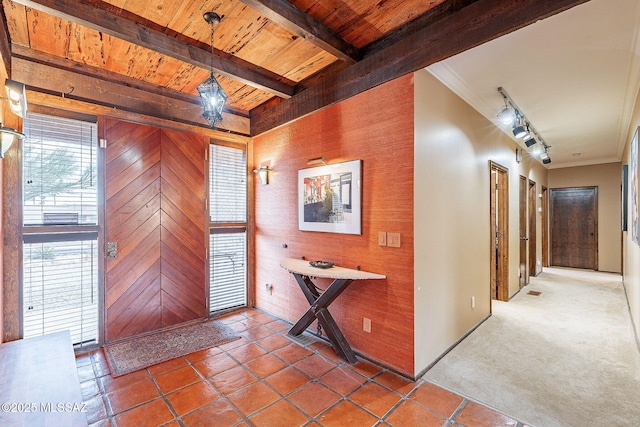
column 562, row 352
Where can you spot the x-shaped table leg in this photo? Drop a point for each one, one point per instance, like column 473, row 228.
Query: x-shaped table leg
column 319, row 310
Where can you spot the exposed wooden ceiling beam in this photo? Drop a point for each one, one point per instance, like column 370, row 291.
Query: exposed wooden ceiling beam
column 66, row 82
column 478, row 23
column 57, row 102
column 22, row 52
column 288, row 16
column 135, row 32
column 430, row 17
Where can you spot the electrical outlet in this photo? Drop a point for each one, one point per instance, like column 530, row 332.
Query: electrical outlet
column 366, row 324
column 382, row 238
column 393, row 240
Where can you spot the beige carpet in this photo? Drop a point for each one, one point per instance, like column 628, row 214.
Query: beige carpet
column 567, row 357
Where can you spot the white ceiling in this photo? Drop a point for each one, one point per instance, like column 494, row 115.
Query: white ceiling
column 575, row 76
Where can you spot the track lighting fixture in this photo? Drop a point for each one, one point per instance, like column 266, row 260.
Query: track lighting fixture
column 522, row 127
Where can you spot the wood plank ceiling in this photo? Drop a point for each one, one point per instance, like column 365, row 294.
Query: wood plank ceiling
column 277, row 60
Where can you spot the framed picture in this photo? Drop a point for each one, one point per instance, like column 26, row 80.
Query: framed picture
column 633, row 187
column 625, row 196
column 329, row 198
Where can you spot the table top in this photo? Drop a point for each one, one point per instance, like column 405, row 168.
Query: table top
column 301, row 266
column 40, row 378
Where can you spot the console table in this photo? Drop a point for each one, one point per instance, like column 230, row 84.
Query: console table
column 319, row 302
column 39, row 383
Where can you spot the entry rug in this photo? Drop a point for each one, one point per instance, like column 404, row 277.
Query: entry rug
column 139, row 353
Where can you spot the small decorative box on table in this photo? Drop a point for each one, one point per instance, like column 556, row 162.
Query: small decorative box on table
column 342, row 277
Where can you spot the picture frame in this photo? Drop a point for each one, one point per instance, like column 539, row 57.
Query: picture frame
column 330, row 198
column 633, row 187
column 625, row 197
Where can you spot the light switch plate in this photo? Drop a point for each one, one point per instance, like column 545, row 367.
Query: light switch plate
column 382, row 238
column 393, row 240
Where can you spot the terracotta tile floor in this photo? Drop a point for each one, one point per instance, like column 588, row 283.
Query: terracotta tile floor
column 266, row 379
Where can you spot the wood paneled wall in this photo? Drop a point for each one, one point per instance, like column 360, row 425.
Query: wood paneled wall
column 155, row 211
column 377, row 127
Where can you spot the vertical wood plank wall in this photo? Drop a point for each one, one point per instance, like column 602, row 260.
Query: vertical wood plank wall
column 154, row 193
column 12, row 234
column 377, row 127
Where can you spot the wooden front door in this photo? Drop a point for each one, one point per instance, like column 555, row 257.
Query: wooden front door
column 574, row 227
column 523, row 272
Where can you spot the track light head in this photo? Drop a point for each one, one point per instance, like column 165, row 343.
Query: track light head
column 530, row 142
column 545, row 155
column 506, row 116
column 519, row 131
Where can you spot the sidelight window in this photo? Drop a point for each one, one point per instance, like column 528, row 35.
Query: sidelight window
column 228, row 228
column 60, row 233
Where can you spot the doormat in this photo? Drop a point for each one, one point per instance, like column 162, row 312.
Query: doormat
column 534, row 293
column 138, row 353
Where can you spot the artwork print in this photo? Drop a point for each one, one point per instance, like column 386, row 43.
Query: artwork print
column 634, row 187
column 329, row 198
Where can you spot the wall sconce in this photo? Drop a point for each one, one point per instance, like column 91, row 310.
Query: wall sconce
column 17, row 94
column 263, row 173
column 518, row 155
column 7, row 136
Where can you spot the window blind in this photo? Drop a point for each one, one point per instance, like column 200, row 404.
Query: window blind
column 228, row 184
column 60, row 289
column 228, row 216
column 228, row 271
column 60, row 264
column 60, row 171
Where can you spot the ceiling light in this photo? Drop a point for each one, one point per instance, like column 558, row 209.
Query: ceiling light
column 545, row 155
column 212, row 96
column 519, row 131
column 506, row 115
column 523, row 129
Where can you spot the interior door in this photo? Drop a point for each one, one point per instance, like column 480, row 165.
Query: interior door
column 545, row 227
column 574, row 227
column 533, row 228
column 499, row 191
column 524, row 276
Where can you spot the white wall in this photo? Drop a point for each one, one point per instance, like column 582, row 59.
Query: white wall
column 453, row 147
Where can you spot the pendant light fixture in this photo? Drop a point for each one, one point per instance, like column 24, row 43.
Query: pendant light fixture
column 212, row 96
